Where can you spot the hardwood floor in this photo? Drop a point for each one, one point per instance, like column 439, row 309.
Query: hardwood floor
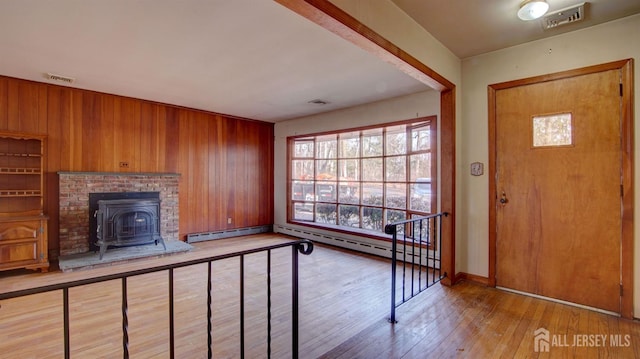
column 344, row 305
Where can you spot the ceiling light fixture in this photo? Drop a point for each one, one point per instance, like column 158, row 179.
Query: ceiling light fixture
column 532, row 9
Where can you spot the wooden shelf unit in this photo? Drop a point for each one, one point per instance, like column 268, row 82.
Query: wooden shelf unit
column 23, row 224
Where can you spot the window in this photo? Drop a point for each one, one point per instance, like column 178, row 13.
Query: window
column 364, row 178
column 552, row 130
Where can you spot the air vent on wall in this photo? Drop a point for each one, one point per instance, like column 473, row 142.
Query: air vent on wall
column 564, row 16
column 61, row 78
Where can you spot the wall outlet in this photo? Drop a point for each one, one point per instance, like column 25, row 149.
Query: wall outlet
column 124, row 164
column 229, row 220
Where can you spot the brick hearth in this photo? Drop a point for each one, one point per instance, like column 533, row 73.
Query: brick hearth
column 74, row 202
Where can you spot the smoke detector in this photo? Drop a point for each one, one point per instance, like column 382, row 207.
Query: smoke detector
column 564, row 16
column 61, row 78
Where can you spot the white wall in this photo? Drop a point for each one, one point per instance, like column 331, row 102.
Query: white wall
column 608, row 42
column 390, row 22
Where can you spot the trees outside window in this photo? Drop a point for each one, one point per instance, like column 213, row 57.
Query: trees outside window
column 364, row 178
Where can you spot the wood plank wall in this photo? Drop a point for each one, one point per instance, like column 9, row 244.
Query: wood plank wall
column 226, row 163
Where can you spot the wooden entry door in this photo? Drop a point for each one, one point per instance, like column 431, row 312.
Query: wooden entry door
column 558, row 183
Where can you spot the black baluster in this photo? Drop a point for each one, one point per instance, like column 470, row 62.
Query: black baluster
column 269, row 304
column 242, row 306
column 172, row 339
column 209, row 313
column 125, row 320
column 67, row 345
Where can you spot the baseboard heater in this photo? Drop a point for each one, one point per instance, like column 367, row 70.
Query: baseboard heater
column 236, row 232
column 364, row 245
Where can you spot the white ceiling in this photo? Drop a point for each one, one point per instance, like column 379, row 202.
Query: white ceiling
column 246, row 58
column 473, row 27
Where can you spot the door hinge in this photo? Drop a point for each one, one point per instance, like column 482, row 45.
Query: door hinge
column 621, row 90
column 41, row 230
column 621, row 290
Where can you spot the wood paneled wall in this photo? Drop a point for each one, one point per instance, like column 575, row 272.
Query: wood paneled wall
column 226, row 163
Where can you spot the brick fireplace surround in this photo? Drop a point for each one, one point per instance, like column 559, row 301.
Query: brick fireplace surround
column 74, row 202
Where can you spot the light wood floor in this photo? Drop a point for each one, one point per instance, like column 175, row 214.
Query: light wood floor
column 344, row 303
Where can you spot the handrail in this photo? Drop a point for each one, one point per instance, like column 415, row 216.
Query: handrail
column 302, row 246
column 103, row 278
column 392, row 227
column 417, row 234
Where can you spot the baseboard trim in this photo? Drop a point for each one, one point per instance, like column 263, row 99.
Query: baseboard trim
column 236, row 232
column 472, row 278
column 360, row 244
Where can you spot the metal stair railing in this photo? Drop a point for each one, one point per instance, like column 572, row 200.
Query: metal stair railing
column 302, row 246
column 416, row 243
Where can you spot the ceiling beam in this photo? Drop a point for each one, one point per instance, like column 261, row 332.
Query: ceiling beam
column 334, row 19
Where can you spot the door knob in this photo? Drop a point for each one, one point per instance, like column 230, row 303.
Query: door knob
column 503, row 198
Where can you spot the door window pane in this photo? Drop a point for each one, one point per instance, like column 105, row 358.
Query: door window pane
column 553, row 130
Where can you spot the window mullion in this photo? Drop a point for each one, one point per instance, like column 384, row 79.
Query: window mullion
column 407, row 169
column 384, row 177
column 360, row 179
column 325, row 205
column 315, row 175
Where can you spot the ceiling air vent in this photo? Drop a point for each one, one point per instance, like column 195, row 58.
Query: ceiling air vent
column 564, row 16
column 318, row 102
column 55, row 77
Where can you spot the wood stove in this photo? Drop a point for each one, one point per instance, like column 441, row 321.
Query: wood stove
column 127, row 222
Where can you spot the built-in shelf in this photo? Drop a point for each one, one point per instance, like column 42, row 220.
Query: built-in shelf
column 23, row 225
